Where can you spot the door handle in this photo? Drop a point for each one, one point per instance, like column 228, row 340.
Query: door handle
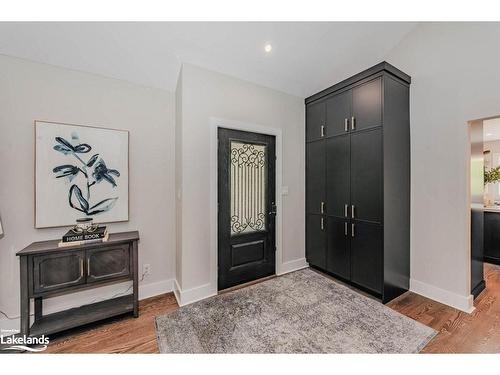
column 346, row 209
column 352, row 230
column 322, row 224
column 88, row 266
column 345, row 228
column 322, row 207
column 346, row 124
column 322, row 130
column 352, row 211
column 81, row 267
column 353, row 123
column 273, row 210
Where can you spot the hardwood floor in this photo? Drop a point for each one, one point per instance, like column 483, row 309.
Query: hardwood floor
column 458, row 331
column 124, row 334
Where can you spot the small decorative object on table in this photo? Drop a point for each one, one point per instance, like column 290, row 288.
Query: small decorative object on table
column 84, row 232
column 84, row 225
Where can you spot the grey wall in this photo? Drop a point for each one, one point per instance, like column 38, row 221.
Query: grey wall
column 30, row 91
column 455, row 79
column 207, row 94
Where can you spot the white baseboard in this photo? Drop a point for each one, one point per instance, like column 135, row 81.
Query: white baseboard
column 293, row 265
column 187, row 296
column 177, row 292
column 156, row 288
column 66, row 301
column 465, row 304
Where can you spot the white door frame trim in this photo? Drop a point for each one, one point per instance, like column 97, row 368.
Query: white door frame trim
column 215, row 124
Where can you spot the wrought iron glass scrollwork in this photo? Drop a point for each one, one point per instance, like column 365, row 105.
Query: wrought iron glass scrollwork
column 248, row 187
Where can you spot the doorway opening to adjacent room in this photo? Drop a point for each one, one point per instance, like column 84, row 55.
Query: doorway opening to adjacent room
column 485, row 204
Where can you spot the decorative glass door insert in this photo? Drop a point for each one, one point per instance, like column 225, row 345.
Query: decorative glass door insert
column 248, row 175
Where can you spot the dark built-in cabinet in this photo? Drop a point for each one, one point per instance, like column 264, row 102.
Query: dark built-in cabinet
column 358, row 181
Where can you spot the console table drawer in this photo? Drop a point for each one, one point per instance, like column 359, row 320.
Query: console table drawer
column 108, row 263
column 58, row 271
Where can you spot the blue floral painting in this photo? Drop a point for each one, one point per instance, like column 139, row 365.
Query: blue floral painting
column 80, row 172
column 94, row 170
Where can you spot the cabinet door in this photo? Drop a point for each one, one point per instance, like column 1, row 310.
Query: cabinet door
column 338, row 113
column 108, row 263
column 367, row 104
column 338, row 255
column 316, row 240
column 315, row 176
column 366, row 175
column 56, row 271
column 366, row 255
column 315, row 119
column 337, row 175
column 492, row 237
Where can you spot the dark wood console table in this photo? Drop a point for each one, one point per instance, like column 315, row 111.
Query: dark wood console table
column 48, row 270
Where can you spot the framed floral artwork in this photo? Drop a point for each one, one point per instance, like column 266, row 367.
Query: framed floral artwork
column 80, row 171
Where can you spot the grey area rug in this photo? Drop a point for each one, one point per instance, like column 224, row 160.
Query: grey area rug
column 300, row 312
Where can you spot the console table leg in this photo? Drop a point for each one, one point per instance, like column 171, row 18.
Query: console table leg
column 38, row 308
column 25, row 301
column 136, row 278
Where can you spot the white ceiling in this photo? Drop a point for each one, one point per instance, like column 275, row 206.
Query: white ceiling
column 306, row 57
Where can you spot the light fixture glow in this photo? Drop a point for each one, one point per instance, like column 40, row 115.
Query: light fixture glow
column 268, row 47
column 489, row 134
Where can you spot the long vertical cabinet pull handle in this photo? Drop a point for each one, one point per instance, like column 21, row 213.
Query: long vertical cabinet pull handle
column 345, row 228
column 353, row 123
column 322, row 224
column 81, row 267
column 352, row 230
column 322, row 130
column 346, row 124
column 346, row 208
column 352, row 211
column 322, row 207
column 88, row 266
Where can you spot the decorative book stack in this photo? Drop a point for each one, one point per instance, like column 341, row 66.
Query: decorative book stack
column 72, row 238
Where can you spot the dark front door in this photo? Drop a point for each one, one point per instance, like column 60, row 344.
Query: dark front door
column 247, row 211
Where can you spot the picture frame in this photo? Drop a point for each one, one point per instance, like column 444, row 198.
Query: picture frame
column 80, row 171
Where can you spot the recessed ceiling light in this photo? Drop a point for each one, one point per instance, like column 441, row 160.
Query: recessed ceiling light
column 268, row 47
column 489, row 134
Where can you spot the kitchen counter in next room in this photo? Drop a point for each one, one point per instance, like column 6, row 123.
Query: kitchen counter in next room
column 477, row 206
